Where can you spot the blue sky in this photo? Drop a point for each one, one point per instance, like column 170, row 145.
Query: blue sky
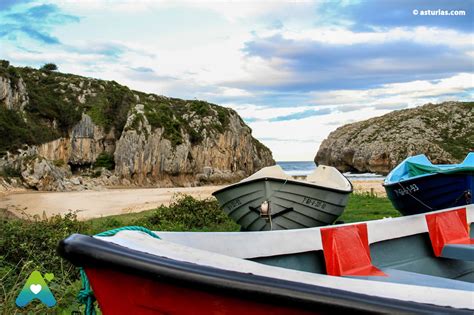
column 295, row 71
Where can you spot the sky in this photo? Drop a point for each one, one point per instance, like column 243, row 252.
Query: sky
column 294, row 70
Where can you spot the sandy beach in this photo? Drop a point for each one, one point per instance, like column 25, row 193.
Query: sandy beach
column 94, row 204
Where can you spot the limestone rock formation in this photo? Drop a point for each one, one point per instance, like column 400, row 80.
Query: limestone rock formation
column 145, row 155
column 444, row 132
column 66, row 132
column 42, row 174
column 13, row 95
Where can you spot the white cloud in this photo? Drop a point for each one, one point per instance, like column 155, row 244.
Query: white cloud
column 305, row 135
column 310, row 132
column 343, row 36
column 194, row 56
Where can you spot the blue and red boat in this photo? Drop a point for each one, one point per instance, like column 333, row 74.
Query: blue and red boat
column 417, row 186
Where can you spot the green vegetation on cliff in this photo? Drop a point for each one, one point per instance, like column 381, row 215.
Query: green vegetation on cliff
column 56, row 102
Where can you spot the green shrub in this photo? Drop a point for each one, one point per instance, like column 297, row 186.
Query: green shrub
column 10, row 171
column 188, row 213
column 162, row 116
column 201, row 108
column 49, row 67
column 106, row 160
column 28, row 245
column 4, row 63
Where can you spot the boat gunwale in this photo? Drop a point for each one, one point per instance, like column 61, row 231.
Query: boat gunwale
column 86, row 251
column 384, row 184
column 292, row 181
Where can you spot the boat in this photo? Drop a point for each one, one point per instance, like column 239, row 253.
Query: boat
column 417, row 186
column 272, row 200
column 414, row 264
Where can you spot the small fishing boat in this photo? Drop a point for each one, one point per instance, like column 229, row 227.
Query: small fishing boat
column 417, row 186
column 272, row 200
column 414, row 264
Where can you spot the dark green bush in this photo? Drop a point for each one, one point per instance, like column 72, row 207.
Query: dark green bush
column 4, row 63
column 106, row 160
column 201, row 108
column 10, row 171
column 49, row 67
column 188, row 213
column 162, row 116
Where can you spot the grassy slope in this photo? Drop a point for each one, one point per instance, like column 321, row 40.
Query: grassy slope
column 31, row 245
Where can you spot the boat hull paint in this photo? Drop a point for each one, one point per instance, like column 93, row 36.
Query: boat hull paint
column 152, row 297
column 430, row 193
column 294, row 205
column 126, row 281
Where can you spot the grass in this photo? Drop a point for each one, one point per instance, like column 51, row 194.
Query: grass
column 365, row 207
column 27, row 245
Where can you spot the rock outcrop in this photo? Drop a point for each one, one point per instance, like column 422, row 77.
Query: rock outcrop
column 61, row 131
column 444, row 132
column 145, row 155
column 82, row 146
column 13, row 93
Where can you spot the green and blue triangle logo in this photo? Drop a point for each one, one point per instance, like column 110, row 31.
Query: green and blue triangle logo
column 36, row 288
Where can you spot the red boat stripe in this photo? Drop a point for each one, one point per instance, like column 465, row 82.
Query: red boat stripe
column 448, row 227
column 346, row 251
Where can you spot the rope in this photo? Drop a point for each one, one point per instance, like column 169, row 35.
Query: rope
column 268, row 199
column 409, row 193
column 464, row 194
column 86, row 295
column 128, row 228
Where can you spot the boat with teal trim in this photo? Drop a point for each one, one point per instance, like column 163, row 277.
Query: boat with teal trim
column 417, row 186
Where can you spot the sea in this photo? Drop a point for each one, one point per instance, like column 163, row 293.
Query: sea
column 303, row 168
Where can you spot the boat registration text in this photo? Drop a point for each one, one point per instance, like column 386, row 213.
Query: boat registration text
column 314, row 203
column 233, row 204
column 406, row 190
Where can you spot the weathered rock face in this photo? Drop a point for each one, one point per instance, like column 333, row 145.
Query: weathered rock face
column 42, row 174
column 83, row 145
column 444, row 132
column 61, row 122
column 13, row 94
column 145, row 155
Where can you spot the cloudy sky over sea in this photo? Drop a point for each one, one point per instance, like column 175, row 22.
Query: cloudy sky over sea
column 293, row 70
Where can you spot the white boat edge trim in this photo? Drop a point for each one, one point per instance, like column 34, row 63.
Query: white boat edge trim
column 309, row 239
column 429, row 295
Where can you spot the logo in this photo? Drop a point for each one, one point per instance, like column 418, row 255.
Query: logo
column 36, row 288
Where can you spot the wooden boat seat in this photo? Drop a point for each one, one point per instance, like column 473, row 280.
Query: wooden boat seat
column 449, row 235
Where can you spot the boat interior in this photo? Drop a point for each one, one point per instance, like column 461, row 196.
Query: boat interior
column 400, row 256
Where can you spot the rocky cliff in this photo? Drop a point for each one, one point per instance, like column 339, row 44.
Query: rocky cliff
column 444, row 132
column 58, row 131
